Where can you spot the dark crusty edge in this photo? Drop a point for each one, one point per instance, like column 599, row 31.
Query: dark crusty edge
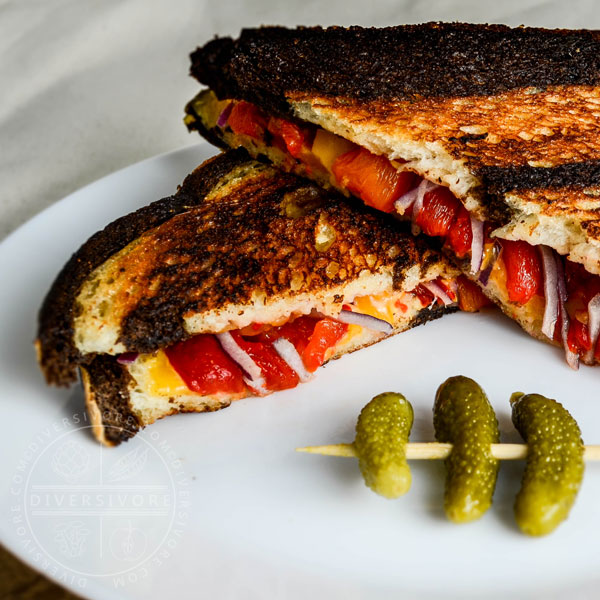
column 407, row 62
column 502, row 180
column 57, row 354
column 106, row 387
column 395, row 63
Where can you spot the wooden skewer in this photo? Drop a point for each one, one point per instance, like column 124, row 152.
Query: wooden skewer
column 433, row 450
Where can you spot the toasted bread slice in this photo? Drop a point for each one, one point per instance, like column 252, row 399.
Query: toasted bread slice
column 504, row 118
column 239, row 244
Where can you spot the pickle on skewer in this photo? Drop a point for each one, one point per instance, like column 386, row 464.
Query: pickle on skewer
column 382, row 432
column 467, row 434
column 463, row 417
column 554, row 463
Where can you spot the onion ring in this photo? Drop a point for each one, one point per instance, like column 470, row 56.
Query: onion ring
column 572, row 357
column 224, row 116
column 422, row 189
column 438, row 292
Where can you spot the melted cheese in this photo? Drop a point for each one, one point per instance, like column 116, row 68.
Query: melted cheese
column 328, row 146
column 380, row 306
column 353, row 332
column 155, row 375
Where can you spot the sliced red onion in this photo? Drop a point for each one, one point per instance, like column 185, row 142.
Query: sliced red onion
column 593, row 326
column 438, row 292
column 550, row 291
column 476, row 245
column 406, row 200
column 572, row 357
column 424, row 187
column 255, row 379
column 453, row 285
column 224, row 116
column 368, row 321
column 127, row 358
column 560, row 279
column 484, row 276
column 288, row 352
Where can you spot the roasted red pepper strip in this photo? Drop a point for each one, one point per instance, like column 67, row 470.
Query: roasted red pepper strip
column 204, row 366
column 295, row 139
column 582, row 286
column 460, row 236
column 277, row 373
column 325, row 335
column 372, row 178
column 438, row 212
column 524, row 278
column 298, row 332
column 246, row 118
column 310, row 336
column 470, row 297
column 424, row 295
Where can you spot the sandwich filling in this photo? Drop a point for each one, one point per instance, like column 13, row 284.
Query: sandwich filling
column 552, row 297
column 262, row 358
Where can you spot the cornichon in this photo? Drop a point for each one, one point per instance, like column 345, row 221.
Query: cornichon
column 382, row 432
column 463, row 416
column 554, row 464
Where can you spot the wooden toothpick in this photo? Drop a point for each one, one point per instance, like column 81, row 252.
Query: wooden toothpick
column 436, row 450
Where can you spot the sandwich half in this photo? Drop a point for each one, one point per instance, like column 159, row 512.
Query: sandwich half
column 483, row 136
column 242, row 283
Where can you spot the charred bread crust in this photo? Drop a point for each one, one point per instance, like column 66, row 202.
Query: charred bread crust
column 106, row 385
column 395, row 63
column 57, row 354
column 422, row 71
column 500, row 180
column 431, row 313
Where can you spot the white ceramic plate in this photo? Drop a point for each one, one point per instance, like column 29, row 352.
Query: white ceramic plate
column 220, row 505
